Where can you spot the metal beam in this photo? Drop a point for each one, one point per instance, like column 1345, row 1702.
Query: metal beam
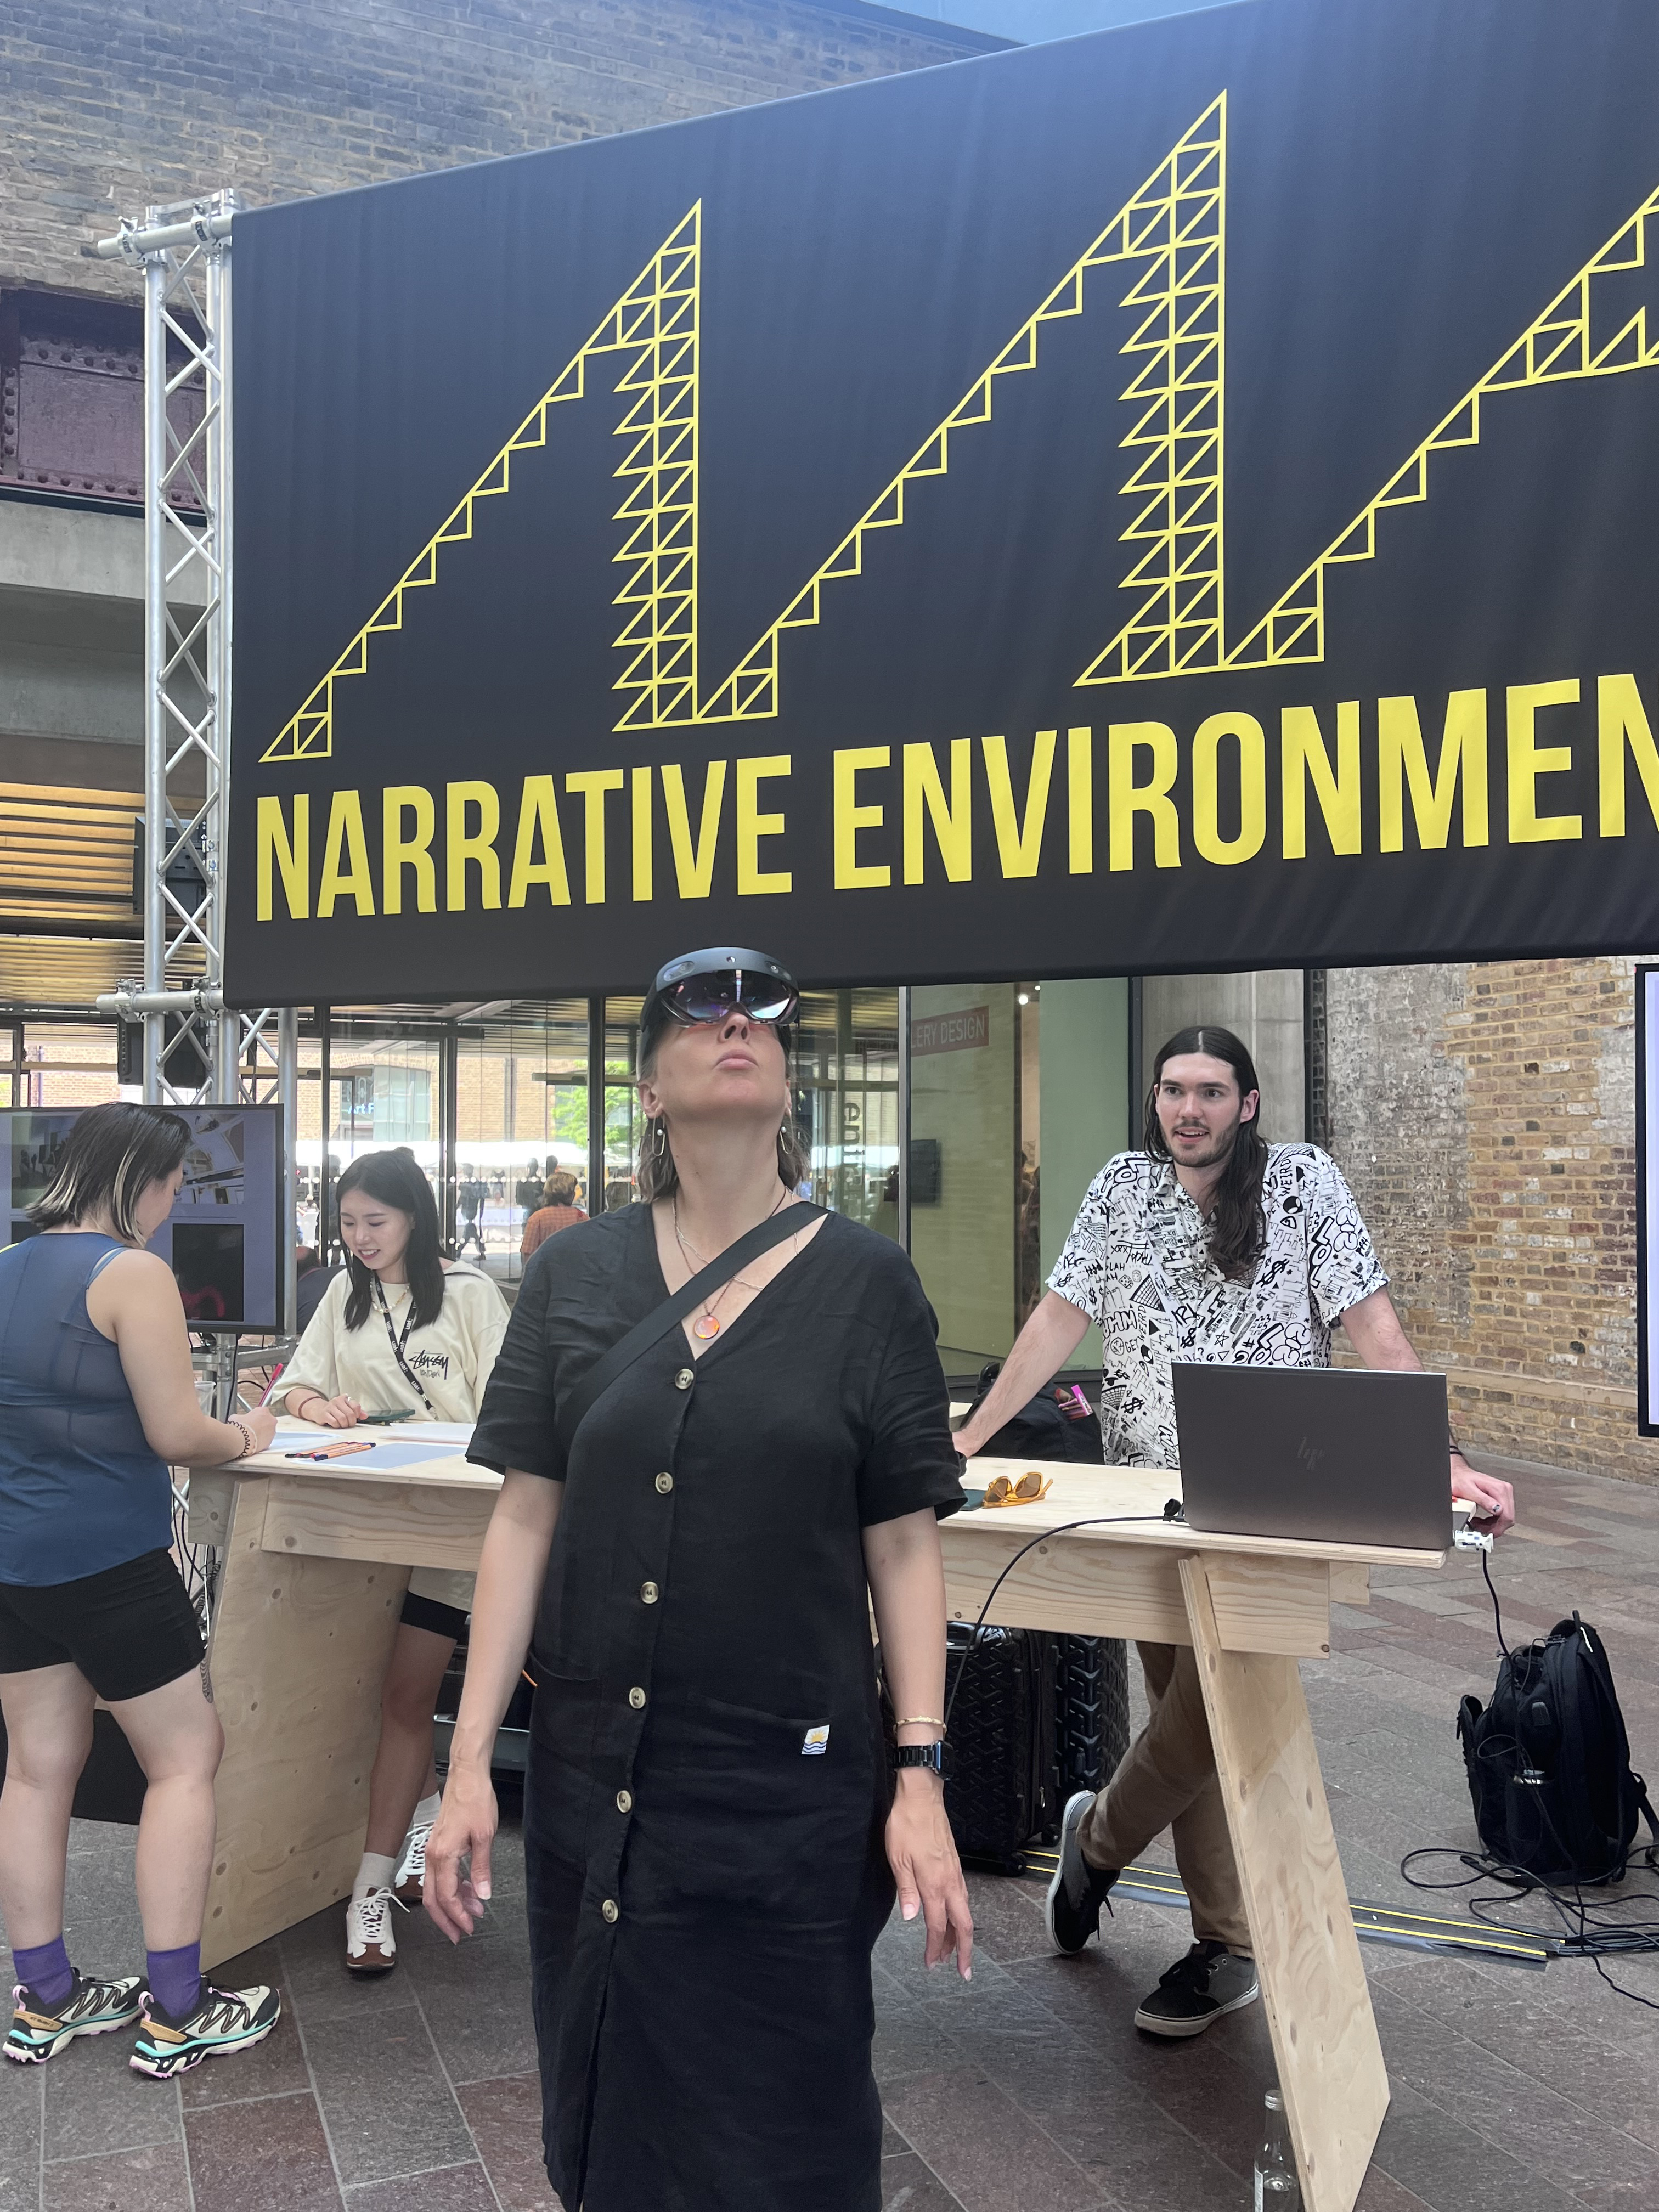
column 135, row 241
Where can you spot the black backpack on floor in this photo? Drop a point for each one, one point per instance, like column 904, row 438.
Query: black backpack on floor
column 1549, row 1765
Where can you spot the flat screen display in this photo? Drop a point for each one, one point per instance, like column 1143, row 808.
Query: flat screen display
column 223, row 1238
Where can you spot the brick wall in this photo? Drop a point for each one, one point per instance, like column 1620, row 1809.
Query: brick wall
column 1485, row 1116
column 112, row 105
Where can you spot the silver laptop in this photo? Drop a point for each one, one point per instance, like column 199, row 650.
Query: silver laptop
column 1334, row 1455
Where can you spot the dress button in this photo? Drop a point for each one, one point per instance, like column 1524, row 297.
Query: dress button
column 649, row 1593
column 624, row 1800
column 684, row 1379
column 610, row 1909
column 665, row 1483
column 636, row 1697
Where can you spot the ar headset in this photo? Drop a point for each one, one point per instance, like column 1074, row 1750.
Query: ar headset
column 708, row 986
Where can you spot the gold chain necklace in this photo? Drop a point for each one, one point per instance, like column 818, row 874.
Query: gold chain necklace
column 707, row 1323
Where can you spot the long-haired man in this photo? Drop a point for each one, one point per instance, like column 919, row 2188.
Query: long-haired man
column 1211, row 1245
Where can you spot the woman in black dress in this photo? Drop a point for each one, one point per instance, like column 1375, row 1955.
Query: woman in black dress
column 712, row 1836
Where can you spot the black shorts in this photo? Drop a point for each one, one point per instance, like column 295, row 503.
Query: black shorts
column 130, row 1629
column 439, row 1619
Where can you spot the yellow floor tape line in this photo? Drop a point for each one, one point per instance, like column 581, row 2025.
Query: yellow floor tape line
column 1436, row 1932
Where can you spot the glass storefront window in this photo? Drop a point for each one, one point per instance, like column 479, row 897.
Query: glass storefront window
column 67, row 1064
column 1019, row 1096
column 625, row 1124
column 846, row 1100
column 844, row 1080
column 383, row 1090
column 964, row 1064
column 520, row 1116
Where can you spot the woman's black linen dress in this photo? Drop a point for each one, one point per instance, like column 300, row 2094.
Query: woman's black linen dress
column 705, row 1868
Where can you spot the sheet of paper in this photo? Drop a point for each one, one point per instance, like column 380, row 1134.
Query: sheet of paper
column 412, row 1446
column 457, row 1435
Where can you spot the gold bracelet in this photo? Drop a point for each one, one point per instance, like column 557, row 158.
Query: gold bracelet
column 920, row 1720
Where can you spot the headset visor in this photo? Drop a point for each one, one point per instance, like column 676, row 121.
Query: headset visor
column 713, row 997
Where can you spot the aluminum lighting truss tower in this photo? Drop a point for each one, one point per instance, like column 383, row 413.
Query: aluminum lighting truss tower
column 185, row 253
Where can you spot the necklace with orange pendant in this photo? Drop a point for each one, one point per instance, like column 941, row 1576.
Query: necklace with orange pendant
column 707, row 1323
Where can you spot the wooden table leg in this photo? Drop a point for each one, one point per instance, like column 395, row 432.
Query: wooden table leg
column 298, row 1649
column 1319, row 2010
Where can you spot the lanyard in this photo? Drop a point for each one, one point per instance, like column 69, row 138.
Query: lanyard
column 399, row 1342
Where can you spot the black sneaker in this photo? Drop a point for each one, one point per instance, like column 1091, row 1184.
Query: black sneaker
column 40, row 2030
column 223, row 2020
column 1209, row 1981
column 1078, row 1890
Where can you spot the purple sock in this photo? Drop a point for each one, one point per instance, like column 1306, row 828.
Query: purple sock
column 175, row 1979
column 46, row 1970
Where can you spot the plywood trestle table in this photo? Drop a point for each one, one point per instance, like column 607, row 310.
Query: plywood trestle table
column 315, row 1558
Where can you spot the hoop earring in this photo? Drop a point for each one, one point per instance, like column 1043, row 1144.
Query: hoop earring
column 659, row 1146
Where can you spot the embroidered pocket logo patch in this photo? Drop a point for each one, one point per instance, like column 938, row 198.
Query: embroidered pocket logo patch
column 815, row 1742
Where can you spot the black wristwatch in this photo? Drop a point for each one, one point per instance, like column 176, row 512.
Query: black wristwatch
column 919, row 1754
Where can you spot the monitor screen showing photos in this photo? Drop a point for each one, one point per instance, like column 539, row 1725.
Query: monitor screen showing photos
column 222, row 1239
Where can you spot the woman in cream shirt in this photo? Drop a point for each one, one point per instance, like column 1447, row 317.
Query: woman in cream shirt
column 401, row 1330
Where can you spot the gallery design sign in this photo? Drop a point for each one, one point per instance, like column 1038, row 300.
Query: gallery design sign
column 1175, row 498
column 958, row 1032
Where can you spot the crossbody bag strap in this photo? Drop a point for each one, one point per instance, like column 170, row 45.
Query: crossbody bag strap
column 672, row 1310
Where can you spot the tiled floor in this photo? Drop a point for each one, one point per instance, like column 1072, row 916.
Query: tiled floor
column 1029, row 2091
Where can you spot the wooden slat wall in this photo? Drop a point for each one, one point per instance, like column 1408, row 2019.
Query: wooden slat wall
column 66, row 855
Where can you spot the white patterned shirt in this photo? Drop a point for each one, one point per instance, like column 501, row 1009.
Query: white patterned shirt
column 1138, row 1261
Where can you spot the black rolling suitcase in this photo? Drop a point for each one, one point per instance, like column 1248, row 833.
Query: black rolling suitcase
column 1001, row 1776
column 1036, row 1716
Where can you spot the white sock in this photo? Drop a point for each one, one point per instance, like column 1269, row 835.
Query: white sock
column 425, row 1814
column 375, row 1872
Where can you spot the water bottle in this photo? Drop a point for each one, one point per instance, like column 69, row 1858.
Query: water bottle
column 1276, row 2189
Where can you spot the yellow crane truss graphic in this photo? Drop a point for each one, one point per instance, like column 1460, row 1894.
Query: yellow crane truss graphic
column 1175, row 225
column 654, row 326
column 1568, row 341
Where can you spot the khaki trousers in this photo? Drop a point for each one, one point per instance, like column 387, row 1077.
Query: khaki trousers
column 1168, row 1780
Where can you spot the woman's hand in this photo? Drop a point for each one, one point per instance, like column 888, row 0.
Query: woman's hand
column 922, row 1853
column 261, row 1424
column 465, row 1829
column 341, row 1412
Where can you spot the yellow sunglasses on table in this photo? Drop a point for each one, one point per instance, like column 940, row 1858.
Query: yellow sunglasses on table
column 1025, row 1490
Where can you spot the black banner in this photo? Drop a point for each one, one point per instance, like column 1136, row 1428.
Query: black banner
column 1174, row 498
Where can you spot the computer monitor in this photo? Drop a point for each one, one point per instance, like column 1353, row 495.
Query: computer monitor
column 223, row 1239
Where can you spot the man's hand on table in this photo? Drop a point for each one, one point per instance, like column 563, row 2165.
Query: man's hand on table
column 1495, row 1499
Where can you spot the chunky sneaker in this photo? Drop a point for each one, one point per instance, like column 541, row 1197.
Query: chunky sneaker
column 371, row 1947
column 1209, row 1980
column 223, row 2020
column 39, row 2031
column 1078, row 1890
column 409, row 1883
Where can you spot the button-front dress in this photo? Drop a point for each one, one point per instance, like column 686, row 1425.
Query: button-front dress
column 707, row 1784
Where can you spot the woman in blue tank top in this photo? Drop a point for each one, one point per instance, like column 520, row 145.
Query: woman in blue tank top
column 96, row 1399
